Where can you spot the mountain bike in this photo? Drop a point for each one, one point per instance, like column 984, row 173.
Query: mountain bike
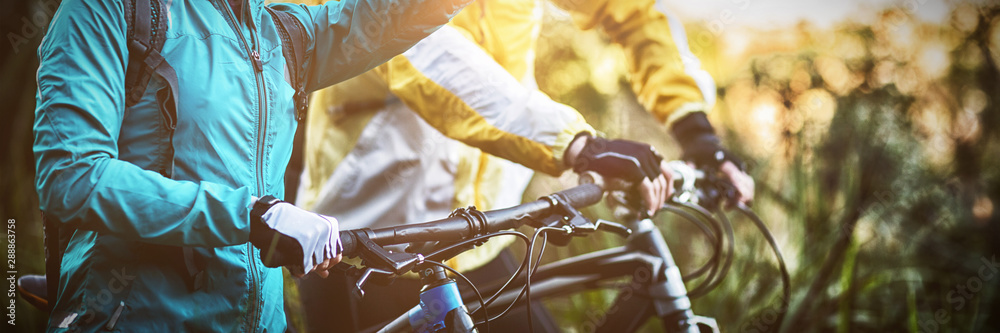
column 656, row 287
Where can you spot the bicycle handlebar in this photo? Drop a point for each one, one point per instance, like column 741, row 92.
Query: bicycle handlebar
column 463, row 225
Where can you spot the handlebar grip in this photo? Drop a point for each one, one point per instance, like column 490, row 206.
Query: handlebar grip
column 348, row 242
column 582, row 196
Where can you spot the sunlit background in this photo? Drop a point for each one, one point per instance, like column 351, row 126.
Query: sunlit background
column 870, row 127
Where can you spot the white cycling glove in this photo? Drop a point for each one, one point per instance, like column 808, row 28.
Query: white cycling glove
column 292, row 237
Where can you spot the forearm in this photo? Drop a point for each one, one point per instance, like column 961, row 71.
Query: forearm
column 462, row 92
column 117, row 198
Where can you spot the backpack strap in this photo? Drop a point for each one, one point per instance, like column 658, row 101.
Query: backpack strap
column 293, row 41
column 147, row 33
column 293, row 38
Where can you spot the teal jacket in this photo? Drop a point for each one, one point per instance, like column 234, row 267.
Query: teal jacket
column 99, row 164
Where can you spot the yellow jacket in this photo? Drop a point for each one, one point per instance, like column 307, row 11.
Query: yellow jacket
column 420, row 135
column 665, row 74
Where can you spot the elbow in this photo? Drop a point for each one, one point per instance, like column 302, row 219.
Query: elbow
column 63, row 186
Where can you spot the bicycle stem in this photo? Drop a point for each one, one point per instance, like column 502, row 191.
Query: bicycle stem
column 440, row 304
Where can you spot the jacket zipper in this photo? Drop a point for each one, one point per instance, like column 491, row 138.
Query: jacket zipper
column 254, row 56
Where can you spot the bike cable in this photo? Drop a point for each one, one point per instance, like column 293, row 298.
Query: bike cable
column 473, row 240
column 785, row 278
column 715, row 240
column 715, row 273
column 520, row 269
column 526, row 289
column 527, row 281
column 676, row 209
column 731, row 247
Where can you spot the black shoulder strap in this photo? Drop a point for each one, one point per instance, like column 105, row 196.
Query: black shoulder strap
column 293, row 39
column 147, row 29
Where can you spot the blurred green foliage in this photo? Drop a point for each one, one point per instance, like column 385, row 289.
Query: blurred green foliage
column 875, row 150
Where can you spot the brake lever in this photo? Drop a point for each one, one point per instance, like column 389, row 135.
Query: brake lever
column 615, row 228
column 576, row 224
column 380, row 261
column 359, row 287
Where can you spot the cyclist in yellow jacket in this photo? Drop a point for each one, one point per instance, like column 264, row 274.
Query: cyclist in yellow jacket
column 457, row 120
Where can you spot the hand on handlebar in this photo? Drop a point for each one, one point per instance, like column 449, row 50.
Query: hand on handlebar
column 742, row 182
column 702, row 146
column 633, row 162
column 292, row 237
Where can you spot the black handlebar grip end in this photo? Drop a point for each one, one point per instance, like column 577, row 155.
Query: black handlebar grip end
column 348, row 242
column 582, row 196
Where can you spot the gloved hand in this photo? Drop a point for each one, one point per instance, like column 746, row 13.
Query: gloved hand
column 700, row 145
column 635, row 162
column 295, row 238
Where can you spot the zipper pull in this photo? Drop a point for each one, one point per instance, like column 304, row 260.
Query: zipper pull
column 255, row 58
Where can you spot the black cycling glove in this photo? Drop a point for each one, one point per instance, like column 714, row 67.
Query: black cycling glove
column 699, row 143
column 626, row 160
column 293, row 237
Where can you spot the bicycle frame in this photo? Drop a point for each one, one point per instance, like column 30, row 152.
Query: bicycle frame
column 440, row 306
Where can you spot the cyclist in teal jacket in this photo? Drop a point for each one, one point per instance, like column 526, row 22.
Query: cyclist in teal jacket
column 105, row 172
